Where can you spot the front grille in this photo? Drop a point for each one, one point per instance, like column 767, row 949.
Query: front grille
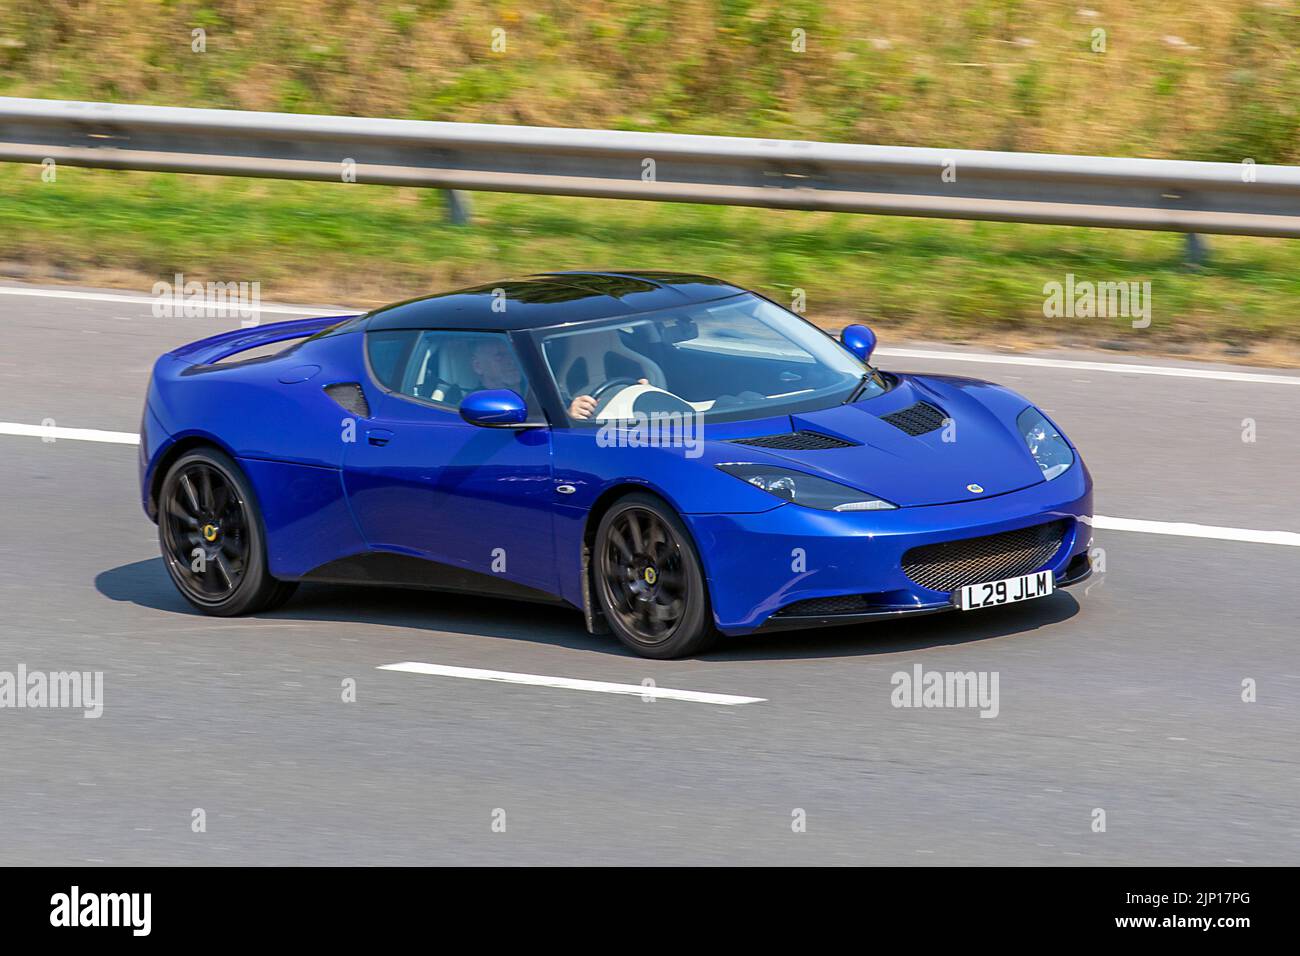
column 825, row 606
column 917, row 419
column 796, row 441
column 351, row 396
column 955, row 564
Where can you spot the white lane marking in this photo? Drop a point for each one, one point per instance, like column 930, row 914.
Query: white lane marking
column 986, row 358
column 1186, row 530
column 569, row 683
column 76, row 434
column 1173, row 371
column 150, row 300
column 1177, row 528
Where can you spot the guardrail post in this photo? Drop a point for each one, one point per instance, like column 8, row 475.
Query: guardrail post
column 458, row 207
column 1196, row 250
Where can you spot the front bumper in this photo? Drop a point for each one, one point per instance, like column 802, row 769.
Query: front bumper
column 758, row 564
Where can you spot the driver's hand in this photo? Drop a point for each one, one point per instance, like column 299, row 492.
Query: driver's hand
column 582, row 406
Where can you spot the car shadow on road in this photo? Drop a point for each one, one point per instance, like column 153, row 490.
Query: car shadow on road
column 902, row 635
column 146, row 584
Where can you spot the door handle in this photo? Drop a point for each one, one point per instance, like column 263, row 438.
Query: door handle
column 379, row 436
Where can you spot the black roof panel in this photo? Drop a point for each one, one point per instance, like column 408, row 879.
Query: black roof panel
column 550, row 298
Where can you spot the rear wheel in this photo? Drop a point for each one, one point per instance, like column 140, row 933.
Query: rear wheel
column 210, row 532
column 649, row 579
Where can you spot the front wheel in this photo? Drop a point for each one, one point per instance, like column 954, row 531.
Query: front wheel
column 210, row 531
column 649, row 579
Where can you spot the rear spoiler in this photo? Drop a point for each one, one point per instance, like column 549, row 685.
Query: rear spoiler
column 218, row 347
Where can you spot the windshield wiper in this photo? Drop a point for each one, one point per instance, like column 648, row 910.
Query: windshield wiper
column 860, row 387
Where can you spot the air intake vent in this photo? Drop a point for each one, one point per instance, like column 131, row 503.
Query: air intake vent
column 917, row 419
column 954, row 564
column 796, row 441
column 826, row 606
column 350, row 396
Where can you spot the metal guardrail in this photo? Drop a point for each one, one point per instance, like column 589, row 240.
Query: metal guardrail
column 1231, row 198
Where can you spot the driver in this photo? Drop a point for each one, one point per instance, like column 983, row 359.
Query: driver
column 496, row 367
column 583, row 405
column 494, row 363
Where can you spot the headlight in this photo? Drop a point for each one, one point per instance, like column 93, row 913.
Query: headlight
column 1046, row 444
column 807, row 490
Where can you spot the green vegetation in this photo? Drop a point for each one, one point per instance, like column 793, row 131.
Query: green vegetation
column 1202, row 79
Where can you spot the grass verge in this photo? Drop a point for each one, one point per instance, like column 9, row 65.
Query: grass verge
column 366, row 245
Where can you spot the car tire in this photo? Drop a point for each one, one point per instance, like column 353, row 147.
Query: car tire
column 212, row 537
column 649, row 580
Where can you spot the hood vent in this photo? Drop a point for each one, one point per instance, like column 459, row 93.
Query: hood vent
column 796, row 441
column 917, row 419
column 350, row 396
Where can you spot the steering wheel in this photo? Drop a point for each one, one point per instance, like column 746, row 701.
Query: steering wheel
column 606, row 390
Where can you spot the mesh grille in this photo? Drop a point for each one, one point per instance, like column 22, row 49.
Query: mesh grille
column 955, row 564
column 825, row 606
column 796, row 441
column 350, row 396
column 917, row 419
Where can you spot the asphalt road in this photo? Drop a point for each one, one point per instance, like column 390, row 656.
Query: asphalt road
column 1125, row 696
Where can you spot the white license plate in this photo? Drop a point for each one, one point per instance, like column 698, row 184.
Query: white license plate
column 1008, row 591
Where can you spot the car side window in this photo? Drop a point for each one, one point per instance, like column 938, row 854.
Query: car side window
column 442, row 367
column 388, row 351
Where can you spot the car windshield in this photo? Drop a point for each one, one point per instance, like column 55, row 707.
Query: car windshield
column 734, row 358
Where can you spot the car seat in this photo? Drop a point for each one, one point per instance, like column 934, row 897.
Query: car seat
column 585, row 363
column 456, row 375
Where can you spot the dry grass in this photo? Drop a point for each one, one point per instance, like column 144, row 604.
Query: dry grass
column 1213, row 79
column 1209, row 79
column 368, row 244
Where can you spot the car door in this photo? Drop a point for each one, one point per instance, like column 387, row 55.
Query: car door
column 424, row 483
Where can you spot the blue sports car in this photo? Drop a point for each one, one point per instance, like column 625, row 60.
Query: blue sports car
column 672, row 455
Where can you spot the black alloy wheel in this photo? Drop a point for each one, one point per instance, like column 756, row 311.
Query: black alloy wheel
column 649, row 580
column 211, row 537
